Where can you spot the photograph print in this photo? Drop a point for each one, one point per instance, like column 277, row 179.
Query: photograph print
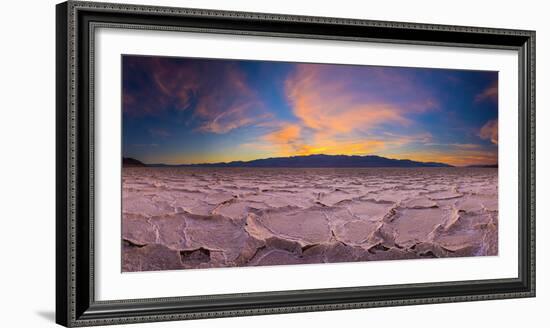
column 236, row 163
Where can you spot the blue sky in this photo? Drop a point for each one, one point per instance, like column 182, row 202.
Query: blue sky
column 193, row 110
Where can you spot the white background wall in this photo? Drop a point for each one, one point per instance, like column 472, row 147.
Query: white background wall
column 27, row 161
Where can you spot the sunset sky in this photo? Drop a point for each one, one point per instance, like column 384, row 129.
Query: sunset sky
column 187, row 110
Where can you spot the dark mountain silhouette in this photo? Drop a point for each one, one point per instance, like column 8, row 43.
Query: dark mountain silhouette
column 318, row 161
column 485, row 165
column 131, row 162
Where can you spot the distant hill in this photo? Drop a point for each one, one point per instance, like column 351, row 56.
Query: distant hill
column 318, row 161
column 485, row 166
column 131, row 162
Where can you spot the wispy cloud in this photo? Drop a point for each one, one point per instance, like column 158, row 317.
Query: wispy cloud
column 141, row 145
column 159, row 132
column 424, row 138
column 490, row 93
column 465, row 146
column 454, row 145
column 216, row 93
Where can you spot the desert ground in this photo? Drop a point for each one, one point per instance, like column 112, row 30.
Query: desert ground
column 191, row 218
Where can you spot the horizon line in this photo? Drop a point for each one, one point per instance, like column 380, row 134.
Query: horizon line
column 275, row 157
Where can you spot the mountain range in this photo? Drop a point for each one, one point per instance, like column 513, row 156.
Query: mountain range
column 309, row 161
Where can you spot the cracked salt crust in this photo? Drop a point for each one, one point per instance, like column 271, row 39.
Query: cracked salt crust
column 190, row 218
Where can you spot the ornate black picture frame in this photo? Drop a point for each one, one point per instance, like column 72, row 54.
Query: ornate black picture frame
column 75, row 280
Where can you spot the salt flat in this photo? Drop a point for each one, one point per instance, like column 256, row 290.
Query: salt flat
column 189, row 218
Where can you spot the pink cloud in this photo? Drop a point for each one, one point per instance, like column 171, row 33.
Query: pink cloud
column 328, row 103
column 491, row 93
column 489, row 131
column 335, row 115
column 217, row 93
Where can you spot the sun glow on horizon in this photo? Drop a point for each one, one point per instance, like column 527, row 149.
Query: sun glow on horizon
column 189, row 111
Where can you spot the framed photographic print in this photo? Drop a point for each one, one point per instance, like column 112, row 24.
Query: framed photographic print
column 214, row 163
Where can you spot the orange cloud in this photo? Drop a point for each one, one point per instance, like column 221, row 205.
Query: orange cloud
column 347, row 147
column 491, row 93
column 332, row 117
column 330, row 106
column 489, row 131
column 284, row 135
column 288, row 140
column 336, row 113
